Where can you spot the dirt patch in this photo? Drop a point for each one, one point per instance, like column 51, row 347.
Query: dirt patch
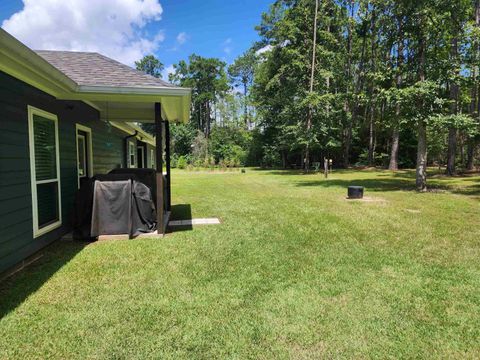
column 436, row 191
column 368, row 199
column 413, row 211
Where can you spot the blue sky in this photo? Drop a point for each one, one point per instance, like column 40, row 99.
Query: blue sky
column 128, row 29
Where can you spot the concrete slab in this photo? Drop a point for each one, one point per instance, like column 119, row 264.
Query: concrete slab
column 153, row 235
column 191, row 222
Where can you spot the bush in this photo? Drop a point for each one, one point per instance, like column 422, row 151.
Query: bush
column 229, row 143
column 182, row 137
column 174, row 161
column 199, row 150
column 182, row 162
column 271, row 157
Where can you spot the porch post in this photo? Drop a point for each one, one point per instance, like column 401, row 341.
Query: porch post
column 167, row 163
column 159, row 165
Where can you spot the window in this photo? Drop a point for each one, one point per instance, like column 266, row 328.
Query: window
column 84, row 153
column 152, row 158
column 44, row 171
column 131, row 154
column 82, row 156
column 140, row 156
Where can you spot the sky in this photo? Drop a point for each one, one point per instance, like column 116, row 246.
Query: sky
column 126, row 30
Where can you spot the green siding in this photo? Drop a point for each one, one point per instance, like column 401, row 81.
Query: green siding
column 17, row 242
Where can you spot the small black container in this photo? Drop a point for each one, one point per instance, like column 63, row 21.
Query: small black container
column 355, row 192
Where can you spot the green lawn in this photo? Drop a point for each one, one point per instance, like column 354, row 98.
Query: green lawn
column 294, row 271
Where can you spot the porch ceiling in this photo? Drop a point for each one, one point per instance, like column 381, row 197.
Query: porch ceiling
column 174, row 109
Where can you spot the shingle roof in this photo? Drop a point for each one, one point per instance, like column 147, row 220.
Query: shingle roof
column 93, row 69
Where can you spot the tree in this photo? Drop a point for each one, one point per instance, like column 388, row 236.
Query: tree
column 312, row 80
column 365, row 82
column 208, row 80
column 149, row 64
column 297, row 118
column 241, row 73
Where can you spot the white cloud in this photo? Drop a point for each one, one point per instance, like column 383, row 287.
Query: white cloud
column 264, row 50
column 167, row 71
column 160, row 37
column 182, row 38
column 227, row 46
column 111, row 27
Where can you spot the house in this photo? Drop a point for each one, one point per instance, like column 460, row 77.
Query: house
column 65, row 116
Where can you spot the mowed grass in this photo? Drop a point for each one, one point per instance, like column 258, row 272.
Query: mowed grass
column 294, row 271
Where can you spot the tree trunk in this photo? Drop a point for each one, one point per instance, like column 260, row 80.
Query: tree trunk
column 452, row 150
column 312, row 77
column 373, row 54
column 245, row 108
column 470, row 155
column 357, row 88
column 475, row 104
column 452, row 131
column 394, row 151
column 371, row 133
column 462, row 150
column 347, row 107
column 396, row 132
column 421, row 173
column 284, row 159
column 421, row 178
column 207, row 120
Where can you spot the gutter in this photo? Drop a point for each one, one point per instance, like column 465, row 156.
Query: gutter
column 138, row 90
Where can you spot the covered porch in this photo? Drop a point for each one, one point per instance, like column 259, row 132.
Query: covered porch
column 159, row 106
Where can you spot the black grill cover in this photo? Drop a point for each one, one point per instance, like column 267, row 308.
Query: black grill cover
column 122, row 203
column 145, row 176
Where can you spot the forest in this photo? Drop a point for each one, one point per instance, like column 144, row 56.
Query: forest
column 367, row 83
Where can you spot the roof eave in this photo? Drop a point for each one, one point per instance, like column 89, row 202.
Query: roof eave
column 140, row 90
column 23, row 63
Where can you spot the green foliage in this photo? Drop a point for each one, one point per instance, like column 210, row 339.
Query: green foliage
column 241, row 73
column 230, row 144
column 208, row 80
column 182, row 137
column 199, row 149
column 377, row 69
column 149, row 64
column 182, row 162
column 369, row 75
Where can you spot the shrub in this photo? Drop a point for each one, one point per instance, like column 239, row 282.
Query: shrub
column 182, row 162
column 182, row 137
column 174, row 161
column 200, row 147
column 271, row 156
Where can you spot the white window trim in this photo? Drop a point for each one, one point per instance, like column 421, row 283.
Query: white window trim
column 152, row 158
column 33, row 176
column 131, row 145
column 89, row 149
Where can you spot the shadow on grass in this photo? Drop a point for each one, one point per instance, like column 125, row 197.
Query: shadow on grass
column 18, row 287
column 395, row 185
column 180, row 212
column 385, row 180
column 368, row 184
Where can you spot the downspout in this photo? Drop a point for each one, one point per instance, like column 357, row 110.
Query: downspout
column 125, row 144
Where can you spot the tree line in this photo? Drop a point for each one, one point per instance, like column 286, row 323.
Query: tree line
column 362, row 82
